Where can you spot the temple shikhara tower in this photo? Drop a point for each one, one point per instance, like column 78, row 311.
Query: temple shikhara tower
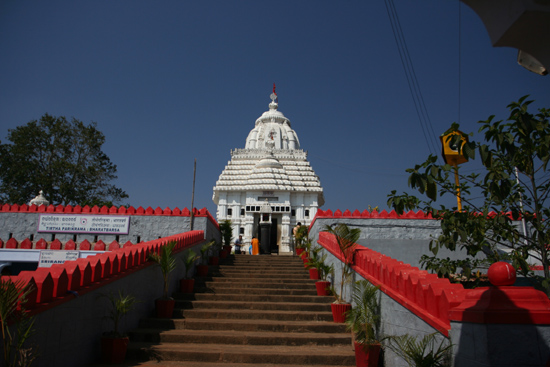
column 269, row 186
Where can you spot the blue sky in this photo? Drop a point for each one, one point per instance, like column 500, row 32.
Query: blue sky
column 172, row 81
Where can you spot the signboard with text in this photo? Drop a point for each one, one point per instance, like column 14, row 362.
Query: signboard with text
column 51, row 257
column 67, row 223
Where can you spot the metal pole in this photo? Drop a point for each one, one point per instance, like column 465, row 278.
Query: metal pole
column 521, row 207
column 193, row 193
column 457, row 183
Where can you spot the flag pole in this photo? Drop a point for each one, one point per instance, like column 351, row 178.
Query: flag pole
column 193, row 193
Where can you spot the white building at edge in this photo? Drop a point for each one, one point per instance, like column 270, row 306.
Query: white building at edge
column 269, row 186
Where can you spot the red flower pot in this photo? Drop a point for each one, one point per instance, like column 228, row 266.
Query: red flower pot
column 322, row 288
column 165, row 308
column 214, row 260
column 187, row 285
column 227, row 248
column 223, row 254
column 314, row 274
column 202, row 270
column 339, row 311
column 366, row 356
column 113, row 350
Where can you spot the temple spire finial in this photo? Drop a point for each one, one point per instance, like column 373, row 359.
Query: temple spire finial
column 274, row 99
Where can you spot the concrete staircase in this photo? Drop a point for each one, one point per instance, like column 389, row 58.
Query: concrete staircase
column 249, row 311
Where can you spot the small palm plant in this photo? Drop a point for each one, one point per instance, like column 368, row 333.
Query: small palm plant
column 205, row 250
column 120, row 306
column 315, row 258
column 189, row 259
column 346, row 238
column 302, row 237
column 227, row 232
column 363, row 319
column 421, row 353
column 325, row 271
column 13, row 297
column 167, row 262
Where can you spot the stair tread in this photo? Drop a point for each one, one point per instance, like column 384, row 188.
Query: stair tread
column 281, row 334
column 260, row 321
column 319, row 350
column 204, row 364
column 246, row 302
column 254, row 311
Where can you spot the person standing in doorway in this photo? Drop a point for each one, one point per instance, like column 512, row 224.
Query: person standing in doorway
column 255, row 246
column 238, row 244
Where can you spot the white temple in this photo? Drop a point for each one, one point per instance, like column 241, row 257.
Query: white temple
column 269, row 186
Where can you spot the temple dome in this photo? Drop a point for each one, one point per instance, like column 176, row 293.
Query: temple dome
column 272, row 131
column 269, row 162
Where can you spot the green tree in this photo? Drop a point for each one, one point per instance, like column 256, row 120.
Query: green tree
column 61, row 157
column 514, row 186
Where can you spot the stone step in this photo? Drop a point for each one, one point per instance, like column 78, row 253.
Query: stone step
column 240, row 314
column 262, row 273
column 261, row 265
column 243, row 325
column 252, row 297
column 221, row 290
column 157, row 363
column 252, row 354
column 261, row 276
column 260, row 306
column 239, row 338
column 254, row 283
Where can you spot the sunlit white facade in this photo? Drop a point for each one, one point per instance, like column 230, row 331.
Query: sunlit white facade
column 270, row 181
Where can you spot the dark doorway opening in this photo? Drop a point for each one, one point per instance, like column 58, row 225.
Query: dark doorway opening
column 273, row 239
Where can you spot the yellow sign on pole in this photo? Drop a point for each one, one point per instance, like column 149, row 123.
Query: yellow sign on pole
column 452, row 144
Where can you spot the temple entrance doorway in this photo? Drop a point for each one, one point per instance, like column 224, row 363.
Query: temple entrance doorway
column 272, row 235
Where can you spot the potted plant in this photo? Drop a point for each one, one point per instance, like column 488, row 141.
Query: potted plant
column 114, row 343
column 315, row 260
column 323, row 286
column 167, row 262
column 188, row 283
column 214, row 259
column 300, row 237
column 227, row 232
column 346, row 239
column 13, row 299
column 421, row 353
column 363, row 321
column 202, row 269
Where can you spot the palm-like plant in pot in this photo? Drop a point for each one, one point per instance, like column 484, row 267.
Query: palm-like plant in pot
column 114, row 343
column 314, row 261
column 301, row 238
column 214, row 250
column 188, row 282
column 422, row 353
column 346, row 239
column 202, row 268
column 227, row 232
column 167, row 262
column 363, row 320
column 323, row 285
column 13, row 301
